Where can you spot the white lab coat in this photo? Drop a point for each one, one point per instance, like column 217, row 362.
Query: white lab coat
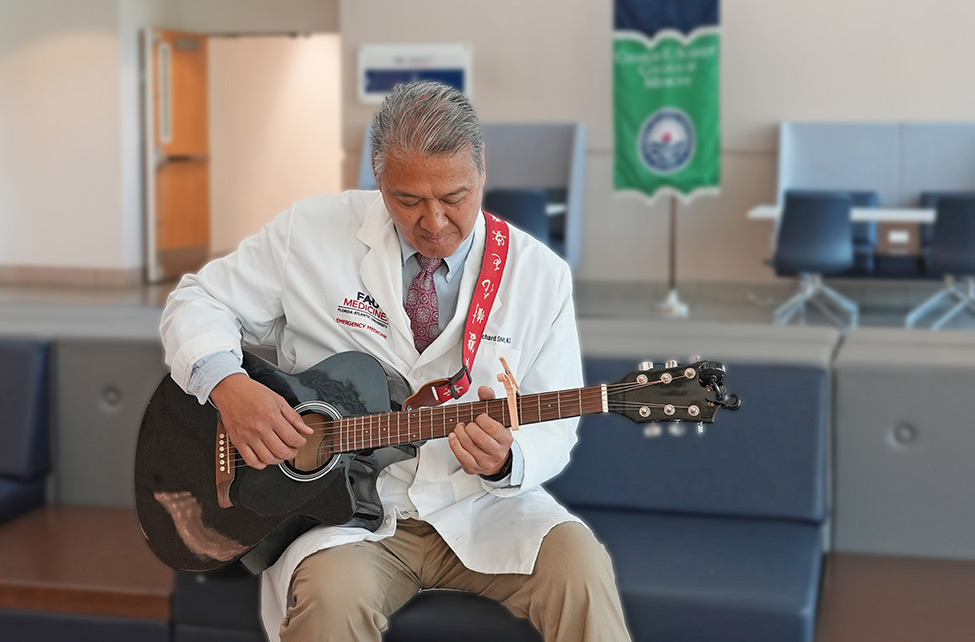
column 284, row 287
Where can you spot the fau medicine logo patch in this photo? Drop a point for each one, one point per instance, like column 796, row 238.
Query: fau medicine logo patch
column 667, row 142
column 370, row 315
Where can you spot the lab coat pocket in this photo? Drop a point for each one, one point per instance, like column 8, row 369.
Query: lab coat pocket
column 489, row 364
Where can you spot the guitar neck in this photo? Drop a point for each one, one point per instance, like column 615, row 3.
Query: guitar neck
column 394, row 428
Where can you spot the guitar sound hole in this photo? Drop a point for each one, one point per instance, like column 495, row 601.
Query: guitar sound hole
column 317, row 449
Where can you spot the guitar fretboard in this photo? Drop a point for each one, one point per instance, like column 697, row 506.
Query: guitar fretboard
column 390, row 429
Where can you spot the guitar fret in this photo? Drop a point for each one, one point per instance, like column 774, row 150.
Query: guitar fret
column 431, row 422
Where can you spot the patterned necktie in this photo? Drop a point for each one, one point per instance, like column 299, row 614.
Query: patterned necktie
column 422, row 306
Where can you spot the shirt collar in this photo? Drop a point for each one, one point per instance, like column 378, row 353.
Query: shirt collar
column 454, row 261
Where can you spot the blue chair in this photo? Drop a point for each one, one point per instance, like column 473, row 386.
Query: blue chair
column 25, row 446
column 929, row 200
column 865, row 233
column 523, row 208
column 951, row 255
column 815, row 239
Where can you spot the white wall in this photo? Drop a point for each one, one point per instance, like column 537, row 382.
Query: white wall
column 258, row 16
column 801, row 59
column 66, row 147
column 70, row 158
column 275, row 122
column 60, row 196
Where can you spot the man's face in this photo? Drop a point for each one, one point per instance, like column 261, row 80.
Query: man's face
column 434, row 200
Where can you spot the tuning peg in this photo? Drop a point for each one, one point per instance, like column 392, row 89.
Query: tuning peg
column 700, row 429
column 676, row 429
column 672, row 363
column 645, row 366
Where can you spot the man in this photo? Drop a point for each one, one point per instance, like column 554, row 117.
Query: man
column 467, row 512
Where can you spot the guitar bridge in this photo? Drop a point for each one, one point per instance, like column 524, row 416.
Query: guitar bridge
column 225, row 457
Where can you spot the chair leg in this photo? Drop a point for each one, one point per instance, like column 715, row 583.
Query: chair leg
column 966, row 300
column 950, row 314
column 844, row 303
column 963, row 294
column 796, row 304
column 827, row 312
column 812, row 291
column 929, row 304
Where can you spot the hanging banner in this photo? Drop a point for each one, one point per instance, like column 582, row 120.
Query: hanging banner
column 666, row 86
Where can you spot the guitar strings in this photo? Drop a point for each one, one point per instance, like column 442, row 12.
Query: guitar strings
column 537, row 400
column 398, row 432
column 426, row 418
column 416, row 419
column 238, row 460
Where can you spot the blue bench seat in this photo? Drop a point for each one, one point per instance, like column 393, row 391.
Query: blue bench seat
column 685, row 577
column 718, row 538
column 25, row 453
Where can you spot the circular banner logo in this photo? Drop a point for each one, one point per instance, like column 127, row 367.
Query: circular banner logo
column 667, row 142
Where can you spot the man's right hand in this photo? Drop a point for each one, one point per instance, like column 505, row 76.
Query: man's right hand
column 263, row 428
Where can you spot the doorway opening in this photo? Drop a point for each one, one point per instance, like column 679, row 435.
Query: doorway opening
column 267, row 133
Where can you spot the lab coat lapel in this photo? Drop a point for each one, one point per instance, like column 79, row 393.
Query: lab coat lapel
column 381, row 271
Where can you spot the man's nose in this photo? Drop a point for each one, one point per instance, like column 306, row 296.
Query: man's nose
column 434, row 217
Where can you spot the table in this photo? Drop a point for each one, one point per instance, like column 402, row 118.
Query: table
column 899, row 227
column 879, row 214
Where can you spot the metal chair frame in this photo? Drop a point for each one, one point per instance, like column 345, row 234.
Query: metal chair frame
column 963, row 293
column 813, row 291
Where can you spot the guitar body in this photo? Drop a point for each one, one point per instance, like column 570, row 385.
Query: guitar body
column 177, row 458
column 202, row 508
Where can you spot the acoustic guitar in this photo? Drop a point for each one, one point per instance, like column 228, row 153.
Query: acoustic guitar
column 202, row 508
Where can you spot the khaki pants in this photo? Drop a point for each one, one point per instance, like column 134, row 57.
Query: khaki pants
column 347, row 593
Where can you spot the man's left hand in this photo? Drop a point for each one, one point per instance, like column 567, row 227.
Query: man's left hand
column 483, row 445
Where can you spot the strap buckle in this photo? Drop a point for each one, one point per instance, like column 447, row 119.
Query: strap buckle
column 460, row 383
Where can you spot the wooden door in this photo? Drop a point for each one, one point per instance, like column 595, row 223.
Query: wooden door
column 177, row 153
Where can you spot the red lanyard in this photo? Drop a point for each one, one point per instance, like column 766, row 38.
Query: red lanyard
column 492, row 267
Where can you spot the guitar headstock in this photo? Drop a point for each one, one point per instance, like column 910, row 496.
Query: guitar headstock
column 675, row 393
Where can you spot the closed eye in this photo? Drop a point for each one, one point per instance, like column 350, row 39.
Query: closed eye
column 455, row 199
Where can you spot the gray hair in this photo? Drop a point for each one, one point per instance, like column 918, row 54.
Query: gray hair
column 428, row 118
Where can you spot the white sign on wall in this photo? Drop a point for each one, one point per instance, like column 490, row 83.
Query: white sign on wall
column 381, row 67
